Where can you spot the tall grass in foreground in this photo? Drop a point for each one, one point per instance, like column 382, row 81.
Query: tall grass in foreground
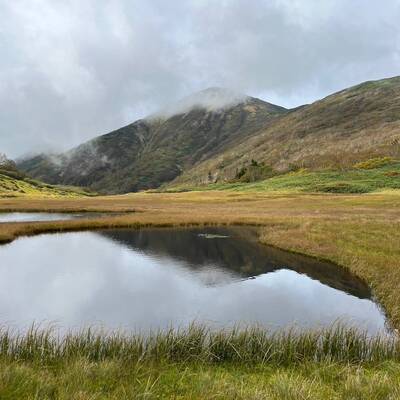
column 248, row 346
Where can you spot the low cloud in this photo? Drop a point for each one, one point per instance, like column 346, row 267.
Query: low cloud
column 210, row 99
column 73, row 70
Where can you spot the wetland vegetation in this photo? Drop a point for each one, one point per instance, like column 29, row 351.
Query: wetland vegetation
column 197, row 363
column 359, row 232
column 218, row 246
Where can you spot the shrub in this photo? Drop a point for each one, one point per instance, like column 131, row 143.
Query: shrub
column 392, row 173
column 374, row 163
column 341, row 187
column 254, row 172
column 240, row 172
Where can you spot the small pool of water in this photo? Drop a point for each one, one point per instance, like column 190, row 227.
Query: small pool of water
column 156, row 278
column 42, row 216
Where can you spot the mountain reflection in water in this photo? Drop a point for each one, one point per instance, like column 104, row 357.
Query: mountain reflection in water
column 158, row 278
column 241, row 254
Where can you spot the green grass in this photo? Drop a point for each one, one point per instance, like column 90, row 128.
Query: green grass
column 358, row 232
column 15, row 184
column 199, row 364
column 81, row 379
column 85, row 380
column 356, row 180
column 247, row 346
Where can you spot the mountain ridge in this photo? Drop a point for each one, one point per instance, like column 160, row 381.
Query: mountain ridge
column 199, row 145
column 152, row 151
column 352, row 125
column 14, row 184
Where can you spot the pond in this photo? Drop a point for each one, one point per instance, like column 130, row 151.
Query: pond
column 41, row 216
column 159, row 278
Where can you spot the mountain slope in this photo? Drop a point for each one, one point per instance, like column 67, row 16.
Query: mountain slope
column 156, row 150
column 15, row 184
column 355, row 124
column 214, row 134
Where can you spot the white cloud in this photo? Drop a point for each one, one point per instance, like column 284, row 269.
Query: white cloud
column 71, row 70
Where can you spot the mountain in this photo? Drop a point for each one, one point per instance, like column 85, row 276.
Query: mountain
column 155, row 150
column 6, row 163
column 350, row 126
column 217, row 135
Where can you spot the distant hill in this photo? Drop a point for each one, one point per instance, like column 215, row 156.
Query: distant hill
column 218, row 135
column 13, row 183
column 7, row 164
column 155, row 150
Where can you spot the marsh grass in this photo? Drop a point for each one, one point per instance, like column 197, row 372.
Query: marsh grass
column 200, row 344
column 198, row 363
column 359, row 232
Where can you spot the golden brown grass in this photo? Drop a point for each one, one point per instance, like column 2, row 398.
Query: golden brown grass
column 115, row 380
column 359, row 232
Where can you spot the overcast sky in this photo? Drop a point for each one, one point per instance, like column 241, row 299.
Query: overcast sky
column 71, row 70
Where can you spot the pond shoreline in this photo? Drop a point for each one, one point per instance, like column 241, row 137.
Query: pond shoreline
column 360, row 233
column 184, row 275
column 284, row 221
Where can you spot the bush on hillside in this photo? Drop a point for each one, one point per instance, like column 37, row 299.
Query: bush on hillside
column 374, row 163
column 256, row 171
column 392, row 173
column 341, row 187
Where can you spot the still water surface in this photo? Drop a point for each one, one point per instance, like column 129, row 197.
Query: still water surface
column 35, row 217
column 160, row 278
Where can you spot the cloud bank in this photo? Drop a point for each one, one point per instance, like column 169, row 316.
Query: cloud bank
column 71, row 70
column 211, row 99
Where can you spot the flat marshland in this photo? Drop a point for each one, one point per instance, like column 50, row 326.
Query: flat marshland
column 360, row 232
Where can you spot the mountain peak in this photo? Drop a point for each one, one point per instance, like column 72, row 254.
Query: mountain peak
column 210, row 99
column 215, row 98
column 218, row 91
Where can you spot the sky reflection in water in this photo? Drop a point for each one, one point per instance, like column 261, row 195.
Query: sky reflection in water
column 160, row 278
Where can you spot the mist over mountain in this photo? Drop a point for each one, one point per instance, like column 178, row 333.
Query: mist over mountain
column 211, row 99
column 6, row 163
column 213, row 134
column 353, row 125
column 155, row 150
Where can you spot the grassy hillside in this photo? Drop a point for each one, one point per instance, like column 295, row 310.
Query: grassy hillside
column 353, row 125
column 365, row 177
column 15, row 184
column 155, row 150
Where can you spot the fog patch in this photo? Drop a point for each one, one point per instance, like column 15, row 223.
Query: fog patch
column 5, row 162
column 212, row 100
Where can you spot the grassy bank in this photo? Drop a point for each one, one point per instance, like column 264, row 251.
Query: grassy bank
column 248, row 346
column 198, row 364
column 115, row 380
